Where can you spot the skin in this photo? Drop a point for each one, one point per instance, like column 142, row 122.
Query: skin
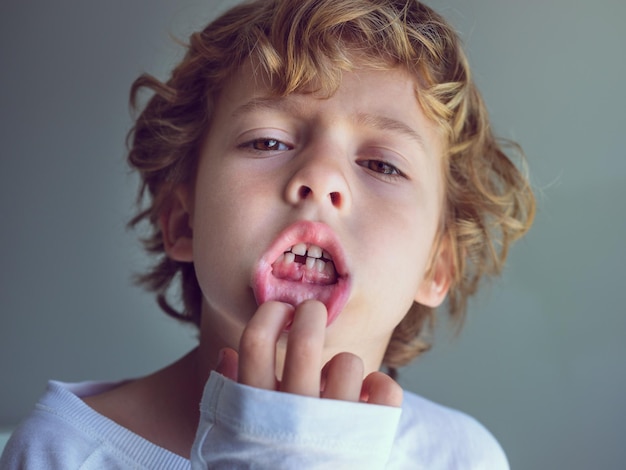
column 366, row 163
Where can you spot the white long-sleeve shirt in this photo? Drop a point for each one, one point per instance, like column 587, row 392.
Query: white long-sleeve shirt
column 247, row 428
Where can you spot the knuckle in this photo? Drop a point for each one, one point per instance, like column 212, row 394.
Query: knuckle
column 254, row 339
column 301, row 346
column 347, row 359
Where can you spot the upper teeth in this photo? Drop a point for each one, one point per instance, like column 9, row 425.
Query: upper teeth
column 312, row 251
column 310, row 260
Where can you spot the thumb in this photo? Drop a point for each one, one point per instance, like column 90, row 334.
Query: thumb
column 227, row 363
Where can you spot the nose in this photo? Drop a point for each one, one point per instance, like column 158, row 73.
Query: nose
column 319, row 178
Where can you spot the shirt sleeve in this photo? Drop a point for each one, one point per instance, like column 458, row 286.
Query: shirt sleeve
column 245, row 427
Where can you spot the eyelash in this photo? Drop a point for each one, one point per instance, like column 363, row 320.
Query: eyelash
column 384, row 169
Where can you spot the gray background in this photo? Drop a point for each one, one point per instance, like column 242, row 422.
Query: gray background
column 541, row 359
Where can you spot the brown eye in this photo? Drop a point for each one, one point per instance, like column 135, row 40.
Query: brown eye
column 380, row 166
column 268, row 145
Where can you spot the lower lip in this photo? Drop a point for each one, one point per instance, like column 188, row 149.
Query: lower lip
column 334, row 296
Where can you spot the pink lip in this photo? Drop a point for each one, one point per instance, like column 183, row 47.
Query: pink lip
column 267, row 287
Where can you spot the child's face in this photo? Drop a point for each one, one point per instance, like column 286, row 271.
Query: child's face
column 357, row 175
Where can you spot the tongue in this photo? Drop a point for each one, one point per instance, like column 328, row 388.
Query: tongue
column 298, row 272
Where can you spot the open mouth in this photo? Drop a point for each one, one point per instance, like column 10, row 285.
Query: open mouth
column 305, row 262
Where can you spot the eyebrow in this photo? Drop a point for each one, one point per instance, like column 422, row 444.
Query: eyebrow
column 270, row 103
column 389, row 124
column 374, row 121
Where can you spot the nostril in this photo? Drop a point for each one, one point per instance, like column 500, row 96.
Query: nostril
column 304, row 192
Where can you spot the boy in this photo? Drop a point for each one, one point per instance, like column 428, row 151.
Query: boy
column 319, row 176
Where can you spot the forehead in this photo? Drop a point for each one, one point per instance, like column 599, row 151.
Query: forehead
column 385, row 99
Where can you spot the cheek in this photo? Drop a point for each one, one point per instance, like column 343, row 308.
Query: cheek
column 223, row 280
column 230, row 213
column 215, row 244
column 396, row 245
column 402, row 229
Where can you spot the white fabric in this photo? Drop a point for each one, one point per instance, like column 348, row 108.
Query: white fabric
column 281, row 430
column 62, row 432
column 243, row 427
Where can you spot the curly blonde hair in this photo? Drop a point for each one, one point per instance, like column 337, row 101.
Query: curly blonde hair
column 308, row 44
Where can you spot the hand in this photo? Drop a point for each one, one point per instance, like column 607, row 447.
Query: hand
column 341, row 378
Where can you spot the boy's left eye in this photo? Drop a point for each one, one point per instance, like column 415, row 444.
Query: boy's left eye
column 267, row 145
column 382, row 167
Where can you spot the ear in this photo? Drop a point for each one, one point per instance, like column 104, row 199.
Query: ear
column 175, row 223
column 434, row 287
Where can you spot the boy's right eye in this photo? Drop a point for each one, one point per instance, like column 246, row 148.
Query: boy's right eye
column 267, row 145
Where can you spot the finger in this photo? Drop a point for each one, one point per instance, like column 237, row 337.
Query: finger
column 303, row 359
column 228, row 363
column 257, row 347
column 342, row 377
column 380, row 389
